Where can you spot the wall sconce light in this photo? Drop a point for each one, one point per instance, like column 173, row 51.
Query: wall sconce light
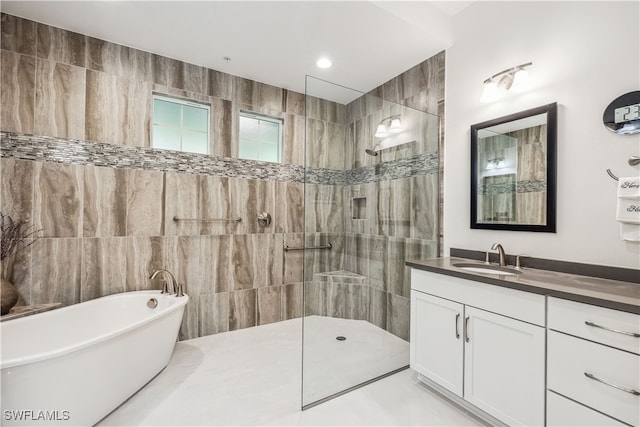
column 515, row 79
column 387, row 126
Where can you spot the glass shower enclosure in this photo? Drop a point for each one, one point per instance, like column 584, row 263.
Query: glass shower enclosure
column 371, row 203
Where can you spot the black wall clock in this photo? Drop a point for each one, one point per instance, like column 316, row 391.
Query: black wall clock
column 622, row 116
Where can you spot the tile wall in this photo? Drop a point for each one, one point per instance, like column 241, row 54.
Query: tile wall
column 75, row 118
column 384, row 211
column 105, row 201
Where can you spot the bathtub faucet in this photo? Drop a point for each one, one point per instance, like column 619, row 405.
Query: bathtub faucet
column 165, row 286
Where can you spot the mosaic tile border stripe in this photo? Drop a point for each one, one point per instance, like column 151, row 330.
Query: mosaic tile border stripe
column 78, row 152
column 73, row 151
column 423, row 164
column 526, row 186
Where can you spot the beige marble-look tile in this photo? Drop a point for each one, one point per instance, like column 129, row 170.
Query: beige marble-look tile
column 145, row 203
column 16, row 188
column 108, row 57
column 177, row 74
column 325, row 142
column 378, row 308
column 315, row 299
column 293, row 102
column 60, row 100
column 398, row 309
column 348, row 301
column 394, row 208
column 329, row 111
column 214, row 313
column 56, row 271
column 119, row 60
column 215, row 261
column 219, row 85
column 17, row 78
column 256, row 260
column 167, row 71
column 248, row 198
column 214, row 202
column 293, row 260
column 294, row 140
column 195, row 78
column 531, row 208
column 260, row 96
column 324, row 208
column 269, row 305
column 396, row 279
column 181, row 198
column 242, row 309
column 58, row 199
column 104, row 267
column 118, row 110
column 105, row 202
column 189, row 328
column 183, row 260
column 61, row 45
column 423, row 206
column 17, row 35
column 221, row 127
column 292, row 301
column 144, row 256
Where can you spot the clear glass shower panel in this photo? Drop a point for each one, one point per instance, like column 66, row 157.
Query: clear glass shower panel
column 371, row 203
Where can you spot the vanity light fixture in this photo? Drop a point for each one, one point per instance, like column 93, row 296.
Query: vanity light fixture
column 497, row 163
column 387, row 126
column 515, row 79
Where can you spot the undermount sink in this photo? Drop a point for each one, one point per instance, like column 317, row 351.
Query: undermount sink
column 487, row 269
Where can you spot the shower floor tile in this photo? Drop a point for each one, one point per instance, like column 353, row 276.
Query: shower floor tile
column 252, row 377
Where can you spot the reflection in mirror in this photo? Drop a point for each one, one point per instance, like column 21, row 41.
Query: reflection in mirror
column 513, row 171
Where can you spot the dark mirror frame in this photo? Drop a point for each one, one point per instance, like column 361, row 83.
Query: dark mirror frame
column 552, row 124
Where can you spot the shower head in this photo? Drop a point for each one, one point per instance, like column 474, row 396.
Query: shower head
column 373, row 151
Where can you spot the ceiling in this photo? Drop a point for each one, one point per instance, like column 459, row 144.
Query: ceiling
column 274, row 42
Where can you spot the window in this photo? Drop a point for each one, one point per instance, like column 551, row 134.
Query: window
column 180, row 124
column 260, row 137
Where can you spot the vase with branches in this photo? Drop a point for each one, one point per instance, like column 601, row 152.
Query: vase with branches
column 15, row 235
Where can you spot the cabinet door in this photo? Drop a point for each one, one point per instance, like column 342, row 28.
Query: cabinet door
column 504, row 367
column 436, row 340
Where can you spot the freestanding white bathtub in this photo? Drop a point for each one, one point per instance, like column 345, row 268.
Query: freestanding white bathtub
column 74, row 365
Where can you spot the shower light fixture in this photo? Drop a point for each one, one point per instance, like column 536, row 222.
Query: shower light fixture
column 387, row 126
column 515, row 79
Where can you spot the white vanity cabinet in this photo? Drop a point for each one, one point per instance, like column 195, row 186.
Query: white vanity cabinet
column 484, row 343
column 593, row 372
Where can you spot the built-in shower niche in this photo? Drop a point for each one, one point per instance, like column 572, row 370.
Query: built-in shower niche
column 359, row 208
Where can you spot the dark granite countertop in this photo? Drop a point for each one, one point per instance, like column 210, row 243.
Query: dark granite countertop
column 608, row 293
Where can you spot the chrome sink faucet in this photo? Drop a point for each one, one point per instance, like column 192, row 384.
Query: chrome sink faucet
column 165, row 287
column 503, row 257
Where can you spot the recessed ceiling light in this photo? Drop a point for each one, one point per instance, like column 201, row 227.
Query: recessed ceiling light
column 324, row 63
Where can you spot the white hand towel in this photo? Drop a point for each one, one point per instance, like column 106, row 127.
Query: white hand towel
column 628, row 211
column 629, row 187
column 630, row 232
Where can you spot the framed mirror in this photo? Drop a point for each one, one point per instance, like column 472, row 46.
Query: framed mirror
column 513, row 171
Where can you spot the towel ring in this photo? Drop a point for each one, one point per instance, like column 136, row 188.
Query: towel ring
column 612, row 175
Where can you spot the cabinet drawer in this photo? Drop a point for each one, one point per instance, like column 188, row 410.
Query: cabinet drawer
column 512, row 303
column 564, row 412
column 571, row 317
column 569, row 358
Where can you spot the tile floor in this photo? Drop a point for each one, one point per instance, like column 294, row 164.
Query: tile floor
column 252, row 377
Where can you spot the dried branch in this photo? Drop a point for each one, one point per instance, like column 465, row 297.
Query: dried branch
column 15, row 235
